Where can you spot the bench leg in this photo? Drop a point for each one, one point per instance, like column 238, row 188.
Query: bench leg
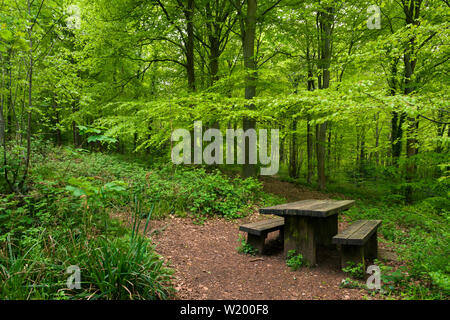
column 351, row 253
column 281, row 235
column 257, row 242
column 371, row 249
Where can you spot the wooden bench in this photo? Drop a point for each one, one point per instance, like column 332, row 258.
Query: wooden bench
column 358, row 242
column 257, row 231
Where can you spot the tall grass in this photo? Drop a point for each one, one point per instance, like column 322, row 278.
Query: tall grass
column 128, row 267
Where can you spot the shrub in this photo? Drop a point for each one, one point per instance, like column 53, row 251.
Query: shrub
column 294, row 261
column 126, row 268
column 356, row 270
column 245, row 247
column 201, row 194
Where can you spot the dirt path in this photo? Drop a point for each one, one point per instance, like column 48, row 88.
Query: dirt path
column 208, row 265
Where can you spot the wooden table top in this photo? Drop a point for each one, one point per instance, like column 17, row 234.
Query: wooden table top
column 309, row 208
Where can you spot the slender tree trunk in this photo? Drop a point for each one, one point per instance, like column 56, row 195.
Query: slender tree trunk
column 309, row 151
column 248, row 44
column 412, row 12
column 362, row 148
column 293, row 152
column 9, row 100
column 377, row 138
column 190, row 64
column 397, row 134
column 325, row 22
column 2, row 134
column 397, row 119
column 30, row 103
column 309, row 134
column 57, row 124
column 440, row 133
column 321, row 130
column 328, row 167
column 75, row 130
column 282, row 139
column 214, row 44
column 2, row 116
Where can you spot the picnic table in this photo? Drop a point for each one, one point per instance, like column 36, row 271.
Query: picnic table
column 308, row 224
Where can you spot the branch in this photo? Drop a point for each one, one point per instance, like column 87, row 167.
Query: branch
column 276, row 53
column 270, row 8
column 37, row 15
column 163, row 39
column 157, row 60
column 166, row 13
column 432, row 120
column 426, row 40
column 441, row 62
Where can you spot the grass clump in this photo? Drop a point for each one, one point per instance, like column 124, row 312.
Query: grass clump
column 355, row 270
column 245, row 247
column 295, row 261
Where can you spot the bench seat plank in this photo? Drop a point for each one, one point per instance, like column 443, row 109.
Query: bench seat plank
column 262, row 227
column 358, row 233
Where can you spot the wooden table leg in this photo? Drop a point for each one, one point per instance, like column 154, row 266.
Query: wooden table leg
column 328, row 228
column 300, row 235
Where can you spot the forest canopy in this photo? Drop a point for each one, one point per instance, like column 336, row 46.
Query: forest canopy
column 358, row 85
column 357, row 89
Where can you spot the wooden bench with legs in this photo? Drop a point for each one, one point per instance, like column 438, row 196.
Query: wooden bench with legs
column 257, row 231
column 358, row 242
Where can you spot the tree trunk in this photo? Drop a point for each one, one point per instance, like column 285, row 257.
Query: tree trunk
column 362, row 148
column 396, row 136
column 2, row 116
column 248, row 44
column 328, row 167
column 30, row 103
column 190, row 65
column 9, row 100
column 309, row 151
column 412, row 19
column 293, row 152
column 325, row 22
column 377, row 138
column 57, row 124
column 321, row 132
column 214, row 44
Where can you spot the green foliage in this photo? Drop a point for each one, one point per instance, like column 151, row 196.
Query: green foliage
column 350, row 283
column 420, row 234
column 441, row 281
column 200, row 193
column 59, row 225
column 245, row 247
column 123, row 82
column 294, row 261
column 126, row 268
column 356, row 270
column 94, row 135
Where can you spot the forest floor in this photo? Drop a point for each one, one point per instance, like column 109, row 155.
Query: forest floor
column 208, row 266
